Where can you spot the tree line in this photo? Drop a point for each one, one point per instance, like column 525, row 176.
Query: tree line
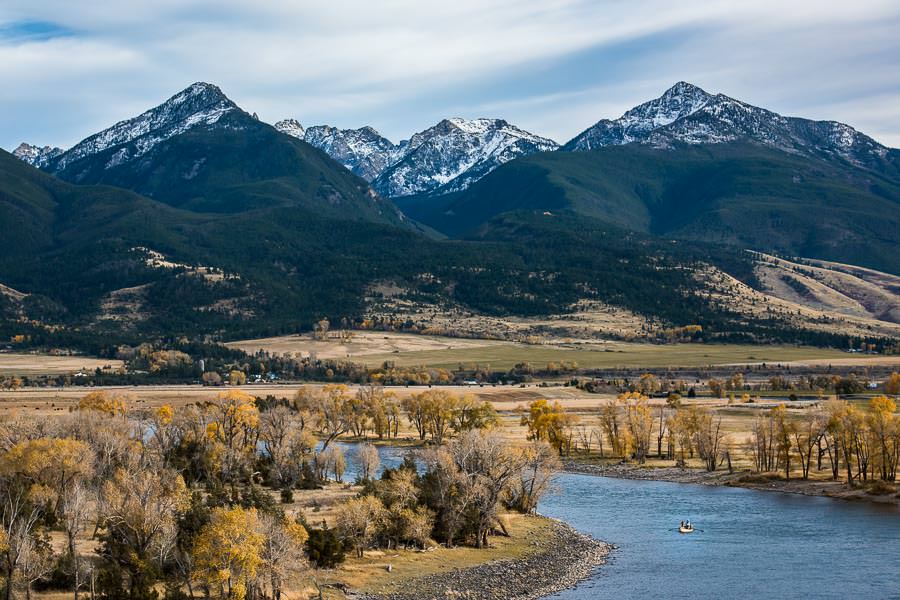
column 195, row 500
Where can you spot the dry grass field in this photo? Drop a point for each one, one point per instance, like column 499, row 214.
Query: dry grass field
column 41, row 364
column 374, row 348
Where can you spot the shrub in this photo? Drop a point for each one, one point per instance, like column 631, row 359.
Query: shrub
column 323, row 548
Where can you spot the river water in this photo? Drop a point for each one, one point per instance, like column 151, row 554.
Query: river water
column 748, row 544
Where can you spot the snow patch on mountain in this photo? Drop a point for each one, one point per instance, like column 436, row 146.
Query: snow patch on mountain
column 36, row 156
column 687, row 114
column 199, row 104
column 455, row 153
column 444, row 158
column 291, row 127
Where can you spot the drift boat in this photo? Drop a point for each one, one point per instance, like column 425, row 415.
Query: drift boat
column 686, row 529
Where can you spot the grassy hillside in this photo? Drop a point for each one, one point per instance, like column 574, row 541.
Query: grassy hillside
column 742, row 195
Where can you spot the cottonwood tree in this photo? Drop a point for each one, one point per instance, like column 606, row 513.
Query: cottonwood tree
column 358, row 521
column 282, row 550
column 36, row 561
column 416, row 412
column 332, row 409
column 232, row 433
column 471, row 414
column 549, row 422
column 76, row 510
column 332, row 460
column 892, row 385
column 228, row 551
column 708, row 437
column 286, row 444
column 488, row 465
column 106, row 403
column 368, row 460
column 448, row 490
column 612, row 424
column 807, row 434
column 138, row 516
column 540, row 462
column 784, row 431
column 885, row 428
column 21, row 510
column 639, row 419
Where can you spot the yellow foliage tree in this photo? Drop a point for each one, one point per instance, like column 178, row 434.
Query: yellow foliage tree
column 548, row 422
column 104, row 402
column 228, row 551
column 892, row 385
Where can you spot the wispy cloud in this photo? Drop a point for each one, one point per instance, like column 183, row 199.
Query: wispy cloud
column 554, row 66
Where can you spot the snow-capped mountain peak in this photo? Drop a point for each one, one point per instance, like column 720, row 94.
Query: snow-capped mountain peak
column 687, row 114
column 291, row 127
column 455, row 153
column 447, row 156
column 197, row 105
column 364, row 151
column 36, row 156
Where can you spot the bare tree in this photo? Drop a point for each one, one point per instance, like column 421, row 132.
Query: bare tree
column 368, row 460
column 75, row 513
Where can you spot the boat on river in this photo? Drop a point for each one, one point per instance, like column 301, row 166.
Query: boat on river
column 688, row 528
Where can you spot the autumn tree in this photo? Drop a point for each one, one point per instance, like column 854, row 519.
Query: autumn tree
column 807, row 433
column 282, row 550
column 716, row 387
column 708, row 436
column 639, row 420
column 105, row 403
column 232, row 433
column 368, row 460
column 22, row 504
column 784, row 432
column 489, row 466
column 611, row 422
column 138, row 519
column 892, row 385
column 287, row 445
column 885, row 428
column 539, row 465
column 549, row 422
column 358, row 521
column 332, row 408
column 228, row 551
column 648, row 384
column 471, row 414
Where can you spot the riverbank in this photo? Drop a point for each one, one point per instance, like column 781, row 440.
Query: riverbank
column 742, row 479
column 561, row 559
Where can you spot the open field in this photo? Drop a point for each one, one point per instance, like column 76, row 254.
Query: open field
column 374, row 348
column 41, row 364
column 363, row 345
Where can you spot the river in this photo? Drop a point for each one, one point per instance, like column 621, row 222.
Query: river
column 748, row 544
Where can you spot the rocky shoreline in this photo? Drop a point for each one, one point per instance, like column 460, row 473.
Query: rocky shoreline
column 630, row 471
column 742, row 479
column 565, row 558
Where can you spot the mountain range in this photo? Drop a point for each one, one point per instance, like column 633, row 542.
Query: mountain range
column 262, row 229
column 445, row 158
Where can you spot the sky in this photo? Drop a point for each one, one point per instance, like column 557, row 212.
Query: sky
column 554, row 67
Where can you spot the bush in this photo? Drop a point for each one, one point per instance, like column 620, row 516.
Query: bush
column 877, row 487
column 323, row 548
